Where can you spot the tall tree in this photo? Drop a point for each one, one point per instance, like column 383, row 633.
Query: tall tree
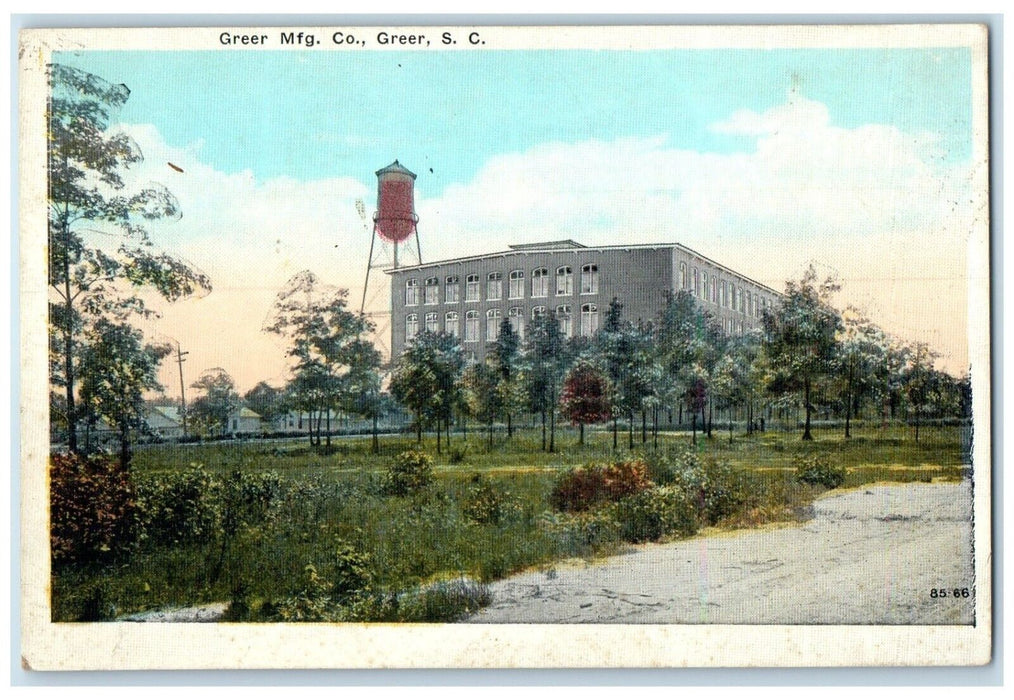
column 506, row 358
column 117, row 368
column 218, row 402
column 921, row 381
column 801, row 337
column 545, row 361
column 426, row 380
column 860, row 364
column 100, row 252
column 266, row 401
column 329, row 355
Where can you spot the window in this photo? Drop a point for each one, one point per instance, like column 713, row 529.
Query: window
column 412, row 292
column 563, row 318
column 451, row 323
column 564, row 281
column 704, row 283
column 540, row 282
column 492, row 325
column 590, row 279
column 696, row 289
column 431, row 291
column 723, row 293
column 494, row 286
column 683, row 275
column 471, row 326
column 538, row 312
column 516, row 290
column 411, row 327
column 472, row 288
column 452, row 289
column 749, row 304
column 714, row 290
column 431, row 323
column 589, row 319
column 516, row 316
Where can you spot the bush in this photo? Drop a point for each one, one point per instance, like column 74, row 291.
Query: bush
column 717, row 489
column 818, row 471
column 92, row 508
column 310, row 603
column 446, row 601
column 350, row 574
column 592, row 484
column 412, row 471
column 651, row 515
column 583, row 534
column 181, row 507
column 487, row 505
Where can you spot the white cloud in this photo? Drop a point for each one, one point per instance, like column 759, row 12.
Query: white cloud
column 873, row 203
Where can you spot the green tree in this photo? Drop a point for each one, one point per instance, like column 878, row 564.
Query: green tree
column 506, row 358
column 219, row 400
column 426, row 380
column 860, row 364
column 801, row 337
column 117, row 368
column 545, row 362
column 921, row 381
column 100, row 252
column 483, row 382
column 266, row 401
column 330, row 359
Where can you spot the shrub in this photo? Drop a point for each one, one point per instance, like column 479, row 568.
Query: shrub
column 651, row 515
column 446, row 601
column 717, row 489
column 486, row 504
column 92, row 508
column 350, row 575
column 412, row 471
column 457, row 455
column 309, row 604
column 592, row 484
column 181, row 507
column 818, row 470
column 583, row 534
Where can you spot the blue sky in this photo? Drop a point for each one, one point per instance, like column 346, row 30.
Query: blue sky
column 316, row 114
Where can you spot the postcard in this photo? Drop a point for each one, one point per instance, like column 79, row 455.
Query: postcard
column 505, row 347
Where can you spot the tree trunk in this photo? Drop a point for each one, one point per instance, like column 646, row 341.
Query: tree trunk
column 68, row 335
column 644, row 427
column 438, row 436
column 693, row 427
column 711, row 417
column 654, row 428
column 730, row 425
column 510, row 427
column 328, row 436
column 580, row 440
column 615, row 432
column 418, row 428
column 552, row 423
column 630, row 431
column 376, row 440
column 806, row 431
column 543, row 412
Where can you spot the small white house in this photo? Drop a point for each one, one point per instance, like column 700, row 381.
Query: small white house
column 244, row 420
column 165, row 421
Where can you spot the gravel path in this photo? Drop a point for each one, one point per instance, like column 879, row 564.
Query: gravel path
column 869, row 556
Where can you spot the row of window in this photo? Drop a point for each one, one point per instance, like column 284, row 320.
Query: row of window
column 494, row 285
column 721, row 292
column 515, row 315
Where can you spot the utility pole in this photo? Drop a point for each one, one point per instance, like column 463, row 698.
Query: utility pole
column 183, row 398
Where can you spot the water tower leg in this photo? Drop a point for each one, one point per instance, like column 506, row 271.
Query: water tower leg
column 418, row 246
column 369, row 266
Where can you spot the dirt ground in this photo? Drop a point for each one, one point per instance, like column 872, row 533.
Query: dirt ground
column 868, row 556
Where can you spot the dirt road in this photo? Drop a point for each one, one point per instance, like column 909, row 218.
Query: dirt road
column 869, row 556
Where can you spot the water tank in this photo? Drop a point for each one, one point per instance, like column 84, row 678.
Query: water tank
column 395, row 218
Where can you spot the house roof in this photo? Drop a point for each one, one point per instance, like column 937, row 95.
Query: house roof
column 246, row 413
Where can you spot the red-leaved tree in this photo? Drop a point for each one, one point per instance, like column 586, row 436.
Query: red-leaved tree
column 585, row 396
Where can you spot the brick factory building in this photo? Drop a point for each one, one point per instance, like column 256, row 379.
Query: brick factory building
column 469, row 297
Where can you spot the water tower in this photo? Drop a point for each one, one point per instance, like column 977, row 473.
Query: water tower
column 394, row 225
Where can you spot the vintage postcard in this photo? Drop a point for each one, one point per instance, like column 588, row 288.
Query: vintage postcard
column 485, row 346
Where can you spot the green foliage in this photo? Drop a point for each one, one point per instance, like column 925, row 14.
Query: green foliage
column 310, row 603
column 487, row 504
column 817, row 469
column 92, row 508
column 717, row 489
column 584, row 487
column 350, row 573
column 653, row 514
column 585, row 533
column 180, row 507
column 411, row 471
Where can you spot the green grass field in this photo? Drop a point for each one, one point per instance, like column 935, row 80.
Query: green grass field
column 327, row 502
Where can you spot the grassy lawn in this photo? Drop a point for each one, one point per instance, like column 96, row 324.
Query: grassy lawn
column 323, row 506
